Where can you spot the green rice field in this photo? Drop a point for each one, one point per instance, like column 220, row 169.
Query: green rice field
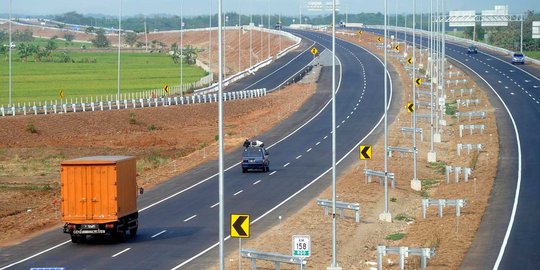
column 93, row 74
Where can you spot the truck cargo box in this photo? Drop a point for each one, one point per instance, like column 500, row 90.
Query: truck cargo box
column 98, row 189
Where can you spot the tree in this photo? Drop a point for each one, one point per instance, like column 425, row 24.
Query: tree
column 69, row 37
column 190, row 55
column 24, row 51
column 101, row 40
column 131, row 38
column 89, row 30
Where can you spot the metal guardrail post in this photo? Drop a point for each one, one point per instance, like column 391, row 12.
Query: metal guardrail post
column 381, row 251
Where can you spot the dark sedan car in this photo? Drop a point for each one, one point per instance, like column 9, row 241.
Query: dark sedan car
column 255, row 158
column 472, row 49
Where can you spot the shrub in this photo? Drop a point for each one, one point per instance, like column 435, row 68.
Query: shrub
column 31, row 128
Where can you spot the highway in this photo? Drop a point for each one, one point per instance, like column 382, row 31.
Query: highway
column 508, row 237
column 179, row 219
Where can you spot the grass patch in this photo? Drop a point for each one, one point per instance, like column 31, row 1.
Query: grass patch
column 395, row 236
column 439, row 167
column 42, row 81
column 474, row 160
column 403, row 217
column 132, row 119
column 429, row 183
column 393, row 199
column 31, row 128
column 533, row 54
column 423, row 193
column 152, row 127
column 451, row 108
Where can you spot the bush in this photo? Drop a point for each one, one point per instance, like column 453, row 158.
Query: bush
column 31, row 128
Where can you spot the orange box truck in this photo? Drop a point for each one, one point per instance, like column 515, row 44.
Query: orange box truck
column 99, row 197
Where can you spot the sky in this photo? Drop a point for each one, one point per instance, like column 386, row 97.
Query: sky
column 284, row 7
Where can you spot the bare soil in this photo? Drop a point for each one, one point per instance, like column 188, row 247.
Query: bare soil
column 29, row 173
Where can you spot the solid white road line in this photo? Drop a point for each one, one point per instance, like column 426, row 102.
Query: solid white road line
column 159, row 233
column 120, row 252
column 190, row 218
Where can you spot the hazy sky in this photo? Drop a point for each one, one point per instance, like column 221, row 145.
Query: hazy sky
column 285, row 7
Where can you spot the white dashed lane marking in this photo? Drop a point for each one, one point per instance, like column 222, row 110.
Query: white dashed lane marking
column 258, row 181
column 318, row 143
column 190, row 218
column 308, row 150
column 298, row 156
column 272, row 173
column 157, row 234
column 120, row 252
column 214, row 205
column 238, row 192
column 287, row 164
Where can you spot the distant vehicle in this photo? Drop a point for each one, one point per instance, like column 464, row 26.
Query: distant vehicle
column 278, row 26
column 518, row 58
column 472, row 49
column 255, row 158
column 12, row 45
column 342, row 24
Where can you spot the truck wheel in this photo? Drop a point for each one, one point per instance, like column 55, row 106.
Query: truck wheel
column 133, row 232
column 77, row 238
column 121, row 236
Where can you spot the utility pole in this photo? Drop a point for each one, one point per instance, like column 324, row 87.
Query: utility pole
column 220, row 134
column 119, row 45
column 385, row 216
column 10, row 49
column 415, row 183
column 181, row 48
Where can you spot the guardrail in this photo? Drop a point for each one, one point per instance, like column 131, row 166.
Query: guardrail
column 424, row 253
column 441, row 203
column 272, row 257
column 341, row 206
column 128, row 103
column 380, row 174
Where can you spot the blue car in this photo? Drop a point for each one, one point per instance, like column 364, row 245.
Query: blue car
column 518, row 58
column 255, row 158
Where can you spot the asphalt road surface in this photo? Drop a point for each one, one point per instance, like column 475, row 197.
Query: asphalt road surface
column 179, row 219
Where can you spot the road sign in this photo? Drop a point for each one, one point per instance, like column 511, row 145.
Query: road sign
column 239, row 225
column 365, row 152
column 61, row 93
column 301, row 246
column 410, row 107
column 397, row 47
column 418, row 81
column 409, row 61
column 314, row 51
column 379, row 39
column 360, row 32
column 166, row 89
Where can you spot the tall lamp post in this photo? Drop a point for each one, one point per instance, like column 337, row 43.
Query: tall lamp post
column 220, row 132
column 10, row 48
column 181, row 48
column 119, row 45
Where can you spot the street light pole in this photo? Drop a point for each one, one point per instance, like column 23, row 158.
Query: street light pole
column 181, row 48
column 10, row 48
column 220, row 132
column 385, row 216
column 334, row 234
column 119, row 45
column 210, row 45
